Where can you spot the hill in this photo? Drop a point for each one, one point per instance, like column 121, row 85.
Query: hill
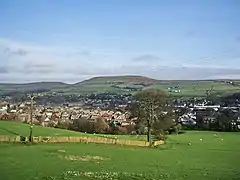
column 34, row 85
column 125, row 84
column 93, row 85
column 112, row 84
column 118, row 79
column 8, row 88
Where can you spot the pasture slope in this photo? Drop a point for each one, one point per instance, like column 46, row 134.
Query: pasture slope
column 188, row 88
column 10, row 128
column 215, row 157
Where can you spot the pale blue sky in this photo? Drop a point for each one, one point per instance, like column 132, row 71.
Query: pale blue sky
column 70, row 40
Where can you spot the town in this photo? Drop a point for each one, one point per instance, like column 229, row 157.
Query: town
column 119, row 90
column 61, row 111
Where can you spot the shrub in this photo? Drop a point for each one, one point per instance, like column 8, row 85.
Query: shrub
column 130, row 129
column 81, row 125
column 62, row 125
column 100, row 126
column 177, row 128
column 160, row 135
column 122, row 130
column 51, row 124
column 117, row 130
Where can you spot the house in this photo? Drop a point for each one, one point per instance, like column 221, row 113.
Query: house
column 23, row 117
column 13, row 111
column 46, row 122
column 107, row 116
column 22, row 105
column 49, row 114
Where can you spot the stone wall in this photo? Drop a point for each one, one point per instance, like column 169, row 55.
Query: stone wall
column 80, row 139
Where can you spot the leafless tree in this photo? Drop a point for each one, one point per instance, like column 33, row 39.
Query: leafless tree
column 154, row 110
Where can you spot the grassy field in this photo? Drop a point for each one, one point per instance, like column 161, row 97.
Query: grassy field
column 197, row 88
column 104, row 84
column 14, row 128
column 215, row 157
column 188, row 88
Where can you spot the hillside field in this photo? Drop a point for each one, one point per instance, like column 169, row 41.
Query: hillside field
column 121, row 84
column 198, row 88
column 215, row 157
column 187, row 88
column 15, row 128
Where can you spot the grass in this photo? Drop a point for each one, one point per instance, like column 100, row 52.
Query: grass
column 211, row 158
column 102, row 84
column 188, row 88
column 15, row 128
column 197, row 88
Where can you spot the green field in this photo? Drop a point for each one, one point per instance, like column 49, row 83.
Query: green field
column 198, row 88
column 212, row 158
column 187, row 88
column 191, row 88
column 14, row 128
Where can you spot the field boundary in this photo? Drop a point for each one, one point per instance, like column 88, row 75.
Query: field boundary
column 70, row 139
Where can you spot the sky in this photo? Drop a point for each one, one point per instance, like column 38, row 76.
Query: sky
column 72, row 40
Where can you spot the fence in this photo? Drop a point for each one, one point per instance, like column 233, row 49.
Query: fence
column 79, row 139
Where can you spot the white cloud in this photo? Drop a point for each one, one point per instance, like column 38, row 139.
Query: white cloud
column 24, row 62
column 147, row 58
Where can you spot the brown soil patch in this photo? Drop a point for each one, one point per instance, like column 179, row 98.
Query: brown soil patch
column 61, row 150
column 83, row 158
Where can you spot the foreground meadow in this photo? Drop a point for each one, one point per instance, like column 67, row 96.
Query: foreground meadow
column 208, row 157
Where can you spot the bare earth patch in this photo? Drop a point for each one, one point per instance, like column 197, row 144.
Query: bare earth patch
column 61, row 151
column 104, row 175
column 83, row 158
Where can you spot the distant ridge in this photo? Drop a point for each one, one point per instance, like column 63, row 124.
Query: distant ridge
column 36, row 83
column 8, row 87
column 118, row 79
column 101, row 79
column 116, row 84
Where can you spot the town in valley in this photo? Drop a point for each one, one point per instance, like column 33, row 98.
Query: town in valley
column 57, row 109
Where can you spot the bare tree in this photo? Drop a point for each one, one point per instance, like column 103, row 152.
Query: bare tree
column 31, row 119
column 153, row 110
column 100, row 126
column 209, row 91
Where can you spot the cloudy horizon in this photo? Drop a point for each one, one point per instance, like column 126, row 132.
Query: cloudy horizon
column 71, row 46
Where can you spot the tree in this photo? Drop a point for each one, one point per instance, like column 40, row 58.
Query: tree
column 209, row 91
column 8, row 108
column 100, row 126
column 224, row 120
column 118, row 130
column 80, row 124
column 177, row 128
column 130, row 128
column 63, row 125
column 154, row 110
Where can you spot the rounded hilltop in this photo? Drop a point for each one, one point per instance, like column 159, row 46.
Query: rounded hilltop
column 118, row 79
